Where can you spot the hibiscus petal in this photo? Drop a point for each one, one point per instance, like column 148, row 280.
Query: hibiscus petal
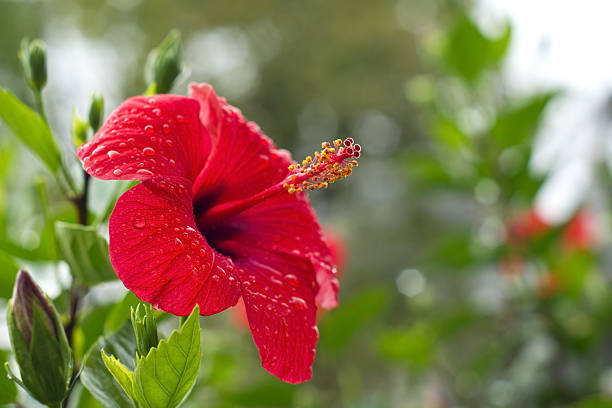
column 242, row 162
column 281, row 313
column 159, row 254
column 284, row 223
column 159, row 135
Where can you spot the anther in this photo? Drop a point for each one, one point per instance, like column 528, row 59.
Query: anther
column 330, row 164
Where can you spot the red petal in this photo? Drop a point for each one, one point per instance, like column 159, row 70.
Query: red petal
column 243, row 161
column 284, row 223
column 160, row 255
column 159, row 135
column 281, row 313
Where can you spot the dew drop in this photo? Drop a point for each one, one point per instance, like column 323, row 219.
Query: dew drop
column 149, row 129
column 117, row 172
column 98, row 149
column 144, row 171
column 157, row 112
column 216, row 278
column 112, row 153
column 178, row 242
column 298, row 303
column 172, row 163
column 148, row 151
column 131, row 140
column 139, row 223
column 180, row 118
column 152, row 101
column 122, row 144
column 292, row 280
column 169, row 142
column 166, row 128
column 153, row 139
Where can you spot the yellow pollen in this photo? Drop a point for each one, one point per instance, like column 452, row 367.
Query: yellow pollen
column 329, row 164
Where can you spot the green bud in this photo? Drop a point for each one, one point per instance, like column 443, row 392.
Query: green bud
column 33, row 57
column 164, row 64
column 96, row 112
column 39, row 342
column 145, row 328
column 80, row 129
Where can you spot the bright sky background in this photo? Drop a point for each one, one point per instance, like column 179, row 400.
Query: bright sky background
column 561, row 44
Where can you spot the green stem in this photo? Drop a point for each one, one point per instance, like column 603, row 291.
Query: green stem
column 39, row 104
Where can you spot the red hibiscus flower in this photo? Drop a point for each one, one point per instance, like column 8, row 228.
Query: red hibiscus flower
column 220, row 214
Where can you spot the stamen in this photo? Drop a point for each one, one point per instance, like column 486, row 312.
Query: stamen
column 333, row 162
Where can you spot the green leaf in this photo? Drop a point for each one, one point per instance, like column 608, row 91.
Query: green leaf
column 448, row 133
column 121, row 373
column 414, row 346
column 269, row 394
column 89, row 328
column 469, row 52
column 96, row 377
column 119, row 313
column 593, row 402
column 8, row 389
column 518, row 124
column 85, row 251
column 30, row 128
column 467, row 49
column 165, row 376
column 341, row 325
column 8, row 271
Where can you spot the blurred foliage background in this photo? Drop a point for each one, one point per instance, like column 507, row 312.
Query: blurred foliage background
column 461, row 286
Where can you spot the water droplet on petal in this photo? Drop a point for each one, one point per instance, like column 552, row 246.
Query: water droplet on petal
column 131, row 140
column 298, row 303
column 145, row 172
column 98, row 149
column 149, row 129
column 117, row 172
column 157, row 112
column 216, row 278
column 112, row 153
column 292, row 280
column 139, row 223
column 180, row 118
column 178, row 242
column 148, row 151
column 166, row 128
column 172, row 163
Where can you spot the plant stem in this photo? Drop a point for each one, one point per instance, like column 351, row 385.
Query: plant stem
column 39, row 104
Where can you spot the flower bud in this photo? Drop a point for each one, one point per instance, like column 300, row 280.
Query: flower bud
column 80, row 129
column 39, row 342
column 96, row 112
column 164, row 64
column 33, row 57
column 145, row 328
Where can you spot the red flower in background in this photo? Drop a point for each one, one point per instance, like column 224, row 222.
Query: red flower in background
column 525, row 226
column 580, row 234
column 220, row 214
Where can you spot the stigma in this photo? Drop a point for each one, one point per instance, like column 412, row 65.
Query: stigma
column 334, row 162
